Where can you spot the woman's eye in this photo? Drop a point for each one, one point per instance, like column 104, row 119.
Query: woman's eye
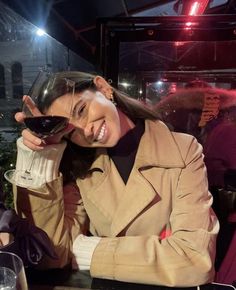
column 81, row 110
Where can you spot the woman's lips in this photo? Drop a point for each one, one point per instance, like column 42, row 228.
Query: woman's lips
column 100, row 136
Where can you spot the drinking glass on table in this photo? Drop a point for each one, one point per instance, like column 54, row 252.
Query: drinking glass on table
column 12, row 272
column 45, row 85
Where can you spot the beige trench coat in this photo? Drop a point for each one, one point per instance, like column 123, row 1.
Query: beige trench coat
column 157, row 229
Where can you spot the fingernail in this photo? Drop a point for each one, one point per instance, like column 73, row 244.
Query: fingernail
column 38, row 141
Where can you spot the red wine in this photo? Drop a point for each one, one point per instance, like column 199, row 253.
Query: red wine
column 44, row 126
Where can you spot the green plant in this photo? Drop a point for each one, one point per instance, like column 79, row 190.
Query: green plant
column 7, row 161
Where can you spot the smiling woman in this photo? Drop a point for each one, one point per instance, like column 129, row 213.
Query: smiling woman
column 124, row 197
column 95, row 118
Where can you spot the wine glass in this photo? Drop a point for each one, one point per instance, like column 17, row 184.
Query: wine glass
column 46, row 87
column 7, row 279
column 12, row 272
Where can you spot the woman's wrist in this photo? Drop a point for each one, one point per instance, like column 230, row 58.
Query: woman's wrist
column 45, row 163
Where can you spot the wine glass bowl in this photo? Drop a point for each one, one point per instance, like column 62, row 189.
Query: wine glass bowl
column 12, row 272
column 45, row 126
column 7, row 279
column 46, row 88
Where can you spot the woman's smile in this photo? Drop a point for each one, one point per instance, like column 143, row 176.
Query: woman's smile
column 102, row 132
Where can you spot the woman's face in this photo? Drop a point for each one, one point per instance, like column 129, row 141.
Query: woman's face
column 96, row 119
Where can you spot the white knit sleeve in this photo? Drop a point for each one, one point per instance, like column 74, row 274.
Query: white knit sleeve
column 83, row 248
column 45, row 162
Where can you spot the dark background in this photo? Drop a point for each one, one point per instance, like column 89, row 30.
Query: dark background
column 73, row 22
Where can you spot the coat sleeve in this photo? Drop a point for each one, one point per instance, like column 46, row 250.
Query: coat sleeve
column 55, row 208
column 186, row 257
column 59, row 212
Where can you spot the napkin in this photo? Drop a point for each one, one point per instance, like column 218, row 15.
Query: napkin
column 30, row 242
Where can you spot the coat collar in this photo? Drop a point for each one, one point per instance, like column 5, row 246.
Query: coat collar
column 158, row 147
column 157, row 141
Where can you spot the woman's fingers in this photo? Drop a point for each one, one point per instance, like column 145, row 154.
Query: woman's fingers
column 5, row 238
column 29, row 103
column 35, row 143
column 20, row 116
column 31, row 106
column 31, row 141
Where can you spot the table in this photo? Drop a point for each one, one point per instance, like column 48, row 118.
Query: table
column 67, row 279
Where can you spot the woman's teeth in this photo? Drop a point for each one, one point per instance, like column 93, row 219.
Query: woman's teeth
column 101, row 133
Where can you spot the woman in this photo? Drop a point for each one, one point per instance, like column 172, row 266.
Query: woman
column 133, row 204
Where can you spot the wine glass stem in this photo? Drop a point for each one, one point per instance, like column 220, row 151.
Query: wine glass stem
column 30, row 162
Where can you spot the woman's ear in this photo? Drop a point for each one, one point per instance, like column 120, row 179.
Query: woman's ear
column 103, row 86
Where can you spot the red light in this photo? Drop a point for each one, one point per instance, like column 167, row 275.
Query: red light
column 177, row 43
column 191, row 7
column 188, row 26
column 194, row 8
column 197, row 7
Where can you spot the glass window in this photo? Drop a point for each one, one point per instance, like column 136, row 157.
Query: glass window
column 17, row 80
column 2, row 82
column 24, row 50
column 215, row 3
column 151, row 70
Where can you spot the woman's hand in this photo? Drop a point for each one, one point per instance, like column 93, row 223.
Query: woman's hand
column 30, row 140
column 5, row 239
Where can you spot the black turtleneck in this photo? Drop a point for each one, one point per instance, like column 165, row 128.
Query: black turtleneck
column 124, row 152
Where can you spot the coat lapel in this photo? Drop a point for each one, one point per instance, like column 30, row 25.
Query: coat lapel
column 157, row 149
column 97, row 189
column 137, row 195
